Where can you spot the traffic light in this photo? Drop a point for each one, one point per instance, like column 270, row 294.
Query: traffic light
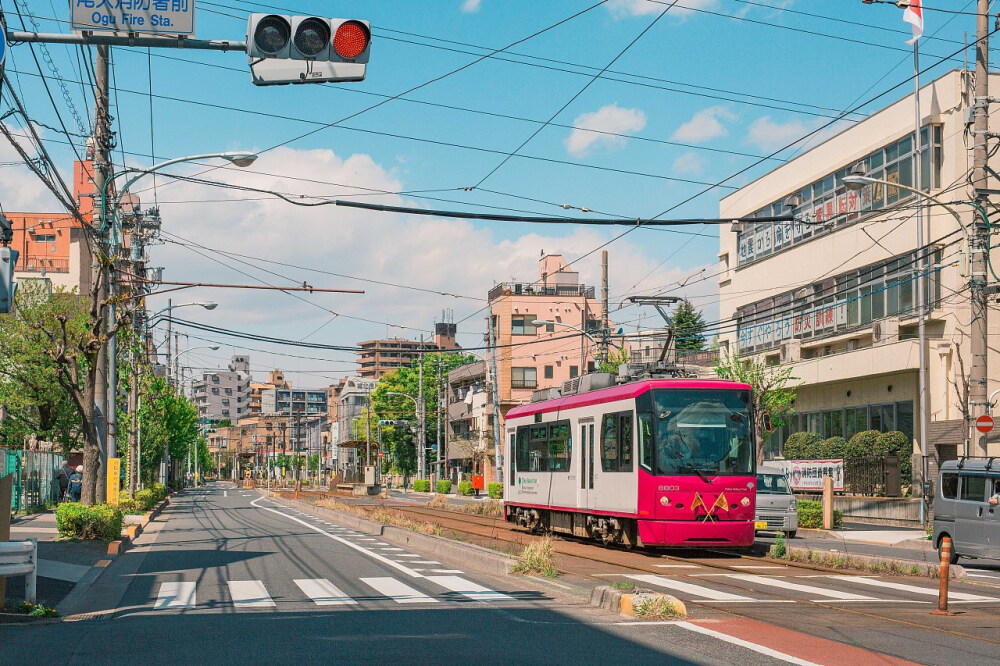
column 386, row 422
column 306, row 49
column 8, row 262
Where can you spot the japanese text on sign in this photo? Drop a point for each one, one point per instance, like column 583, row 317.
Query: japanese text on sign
column 160, row 17
column 813, row 321
column 808, row 474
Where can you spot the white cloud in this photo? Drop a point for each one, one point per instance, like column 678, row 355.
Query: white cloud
column 470, row 6
column 22, row 191
column 689, row 164
column 612, row 118
column 705, row 125
column 623, row 8
column 770, row 135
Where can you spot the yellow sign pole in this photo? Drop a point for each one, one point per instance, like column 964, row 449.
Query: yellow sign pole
column 114, row 479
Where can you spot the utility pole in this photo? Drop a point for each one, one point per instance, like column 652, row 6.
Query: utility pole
column 980, row 240
column 441, row 460
column 494, row 381
column 923, row 408
column 605, row 321
column 421, row 435
column 101, row 274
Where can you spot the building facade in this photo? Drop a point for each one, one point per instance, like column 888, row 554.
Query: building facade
column 310, row 402
column 275, row 380
column 221, row 394
column 836, row 293
column 377, row 357
column 469, row 437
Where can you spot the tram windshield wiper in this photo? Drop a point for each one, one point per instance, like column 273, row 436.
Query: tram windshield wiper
column 700, row 473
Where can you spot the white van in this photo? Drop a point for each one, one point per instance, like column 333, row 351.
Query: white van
column 776, row 506
column 967, row 508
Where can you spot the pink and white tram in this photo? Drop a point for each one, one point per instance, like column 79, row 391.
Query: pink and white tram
column 658, row 462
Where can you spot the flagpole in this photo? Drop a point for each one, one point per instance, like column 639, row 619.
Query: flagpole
column 921, row 262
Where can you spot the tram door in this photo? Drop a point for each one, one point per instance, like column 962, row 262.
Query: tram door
column 585, row 456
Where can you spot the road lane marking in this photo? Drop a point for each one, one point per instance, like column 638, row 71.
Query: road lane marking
column 676, row 566
column 425, row 562
column 956, row 596
column 757, row 566
column 323, row 592
column 175, row 595
column 250, row 594
column 447, row 571
column 398, row 591
column 469, row 589
column 745, row 644
column 408, row 555
column 774, row 581
column 225, row 493
column 361, row 549
column 703, row 593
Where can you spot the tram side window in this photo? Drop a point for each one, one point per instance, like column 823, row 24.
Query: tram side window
column 513, row 460
column 545, row 447
column 646, row 444
column 522, row 450
column 616, row 442
column 560, row 447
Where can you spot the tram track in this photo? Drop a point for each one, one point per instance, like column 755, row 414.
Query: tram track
column 499, row 535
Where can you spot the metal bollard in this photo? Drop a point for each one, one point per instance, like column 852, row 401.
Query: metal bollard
column 943, row 576
column 31, row 581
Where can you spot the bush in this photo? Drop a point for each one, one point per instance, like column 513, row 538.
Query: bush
column 834, row 447
column 896, row 443
column 796, row 445
column 443, row 486
column 864, row 444
column 811, row 515
column 465, row 488
column 159, row 492
column 146, row 499
column 130, row 506
column 101, row 521
column 496, row 490
column 422, row 485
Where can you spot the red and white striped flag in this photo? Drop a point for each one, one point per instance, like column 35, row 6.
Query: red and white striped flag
column 914, row 15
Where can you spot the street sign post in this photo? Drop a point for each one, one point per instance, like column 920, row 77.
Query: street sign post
column 114, row 480
column 157, row 17
column 984, row 423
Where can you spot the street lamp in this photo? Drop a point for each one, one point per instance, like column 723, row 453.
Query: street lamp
column 605, row 338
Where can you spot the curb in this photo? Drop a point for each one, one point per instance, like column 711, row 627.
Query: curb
column 474, row 557
column 926, row 569
column 625, row 603
column 119, row 546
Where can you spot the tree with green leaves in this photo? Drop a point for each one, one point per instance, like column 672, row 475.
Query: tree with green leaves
column 36, row 401
column 689, row 328
column 166, row 419
column 616, row 357
column 771, row 394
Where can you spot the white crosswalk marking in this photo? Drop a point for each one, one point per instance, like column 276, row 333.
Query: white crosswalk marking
column 397, row 591
column 699, row 591
column 250, row 594
column 468, row 589
column 175, row 595
column 323, row 592
column 953, row 596
column 785, row 584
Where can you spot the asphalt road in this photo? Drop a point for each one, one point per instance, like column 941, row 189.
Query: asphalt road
column 226, row 576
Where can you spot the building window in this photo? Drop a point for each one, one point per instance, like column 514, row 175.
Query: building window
column 573, row 371
column 590, row 366
column 550, row 328
column 215, row 391
column 548, row 372
column 44, row 238
column 523, row 378
column 521, row 325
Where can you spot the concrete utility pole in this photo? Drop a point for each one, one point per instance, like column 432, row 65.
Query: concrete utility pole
column 605, row 321
column 421, row 435
column 101, row 274
column 442, row 462
column 923, row 408
column 980, row 240
column 494, row 381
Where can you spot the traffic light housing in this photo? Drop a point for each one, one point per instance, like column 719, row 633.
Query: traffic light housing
column 306, row 49
column 8, row 262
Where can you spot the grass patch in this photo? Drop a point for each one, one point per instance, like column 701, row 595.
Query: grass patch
column 536, row 558
column 384, row 516
column 840, row 561
column 656, row 608
column 625, row 587
column 490, row 508
column 439, row 501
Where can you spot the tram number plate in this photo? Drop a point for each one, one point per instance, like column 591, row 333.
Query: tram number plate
column 760, row 524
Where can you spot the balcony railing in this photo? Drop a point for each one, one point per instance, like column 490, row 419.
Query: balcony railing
column 533, row 289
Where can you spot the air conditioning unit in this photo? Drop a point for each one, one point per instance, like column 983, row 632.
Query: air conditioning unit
column 885, row 331
column 791, row 351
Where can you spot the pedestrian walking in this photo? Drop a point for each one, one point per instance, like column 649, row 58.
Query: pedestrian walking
column 76, row 484
column 63, row 477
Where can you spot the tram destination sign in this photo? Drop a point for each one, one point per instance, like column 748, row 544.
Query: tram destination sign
column 156, row 17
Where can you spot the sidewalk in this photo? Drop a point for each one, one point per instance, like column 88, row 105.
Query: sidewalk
column 61, row 564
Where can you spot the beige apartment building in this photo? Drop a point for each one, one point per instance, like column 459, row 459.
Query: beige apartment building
column 834, row 294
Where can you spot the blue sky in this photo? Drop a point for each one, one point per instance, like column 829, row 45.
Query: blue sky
column 705, row 92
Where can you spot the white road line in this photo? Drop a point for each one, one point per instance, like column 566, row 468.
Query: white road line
column 225, row 493
column 392, row 549
column 175, row 595
column 425, row 562
column 977, row 575
column 745, row 644
column 757, row 566
column 784, row 584
column 448, row 571
column 399, row 592
column 469, row 589
column 250, row 594
column 360, row 549
column 703, row 593
column 323, row 592
column 676, row 566
column 957, row 596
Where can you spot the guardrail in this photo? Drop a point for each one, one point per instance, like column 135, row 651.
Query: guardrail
column 20, row 558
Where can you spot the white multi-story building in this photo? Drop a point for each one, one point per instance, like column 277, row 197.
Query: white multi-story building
column 835, row 296
column 221, row 395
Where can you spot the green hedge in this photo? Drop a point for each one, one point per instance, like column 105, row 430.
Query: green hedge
column 422, row 485
column 130, row 506
column 811, row 515
column 101, row 521
column 146, row 499
column 798, row 443
column 864, row 444
column 496, row 490
column 465, row 488
column 159, row 492
column 443, row 486
column 896, row 443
